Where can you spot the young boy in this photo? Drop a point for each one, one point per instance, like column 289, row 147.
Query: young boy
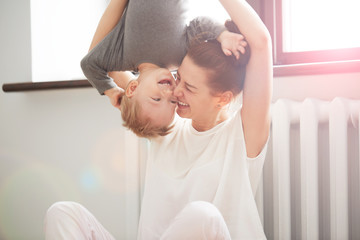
column 150, row 38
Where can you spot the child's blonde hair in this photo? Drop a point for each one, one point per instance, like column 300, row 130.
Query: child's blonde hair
column 130, row 113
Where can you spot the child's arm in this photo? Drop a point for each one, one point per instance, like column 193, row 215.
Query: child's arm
column 204, row 28
column 257, row 91
column 232, row 43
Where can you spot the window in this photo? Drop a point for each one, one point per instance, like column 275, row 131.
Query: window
column 303, row 31
column 308, row 31
column 61, row 32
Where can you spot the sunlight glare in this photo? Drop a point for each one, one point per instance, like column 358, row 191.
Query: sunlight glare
column 213, row 9
column 59, row 43
column 320, row 24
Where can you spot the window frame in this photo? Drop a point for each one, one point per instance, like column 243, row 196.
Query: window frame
column 285, row 64
column 271, row 12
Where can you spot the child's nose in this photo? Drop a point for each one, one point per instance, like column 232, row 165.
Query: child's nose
column 177, row 91
column 168, row 93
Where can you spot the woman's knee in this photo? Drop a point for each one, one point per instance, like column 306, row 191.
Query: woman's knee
column 203, row 219
column 202, row 209
column 62, row 209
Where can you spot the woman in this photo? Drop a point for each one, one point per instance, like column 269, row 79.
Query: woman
column 211, row 156
column 201, row 178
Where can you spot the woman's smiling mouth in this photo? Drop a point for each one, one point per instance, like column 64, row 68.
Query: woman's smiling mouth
column 182, row 104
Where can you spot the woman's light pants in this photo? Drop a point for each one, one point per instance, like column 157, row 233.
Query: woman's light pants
column 198, row 220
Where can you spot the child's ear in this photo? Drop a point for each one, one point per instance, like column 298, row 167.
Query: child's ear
column 131, row 88
column 225, row 98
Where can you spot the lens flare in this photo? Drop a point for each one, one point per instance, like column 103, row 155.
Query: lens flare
column 114, row 162
column 25, row 194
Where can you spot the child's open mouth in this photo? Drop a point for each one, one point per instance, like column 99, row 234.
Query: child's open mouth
column 165, row 82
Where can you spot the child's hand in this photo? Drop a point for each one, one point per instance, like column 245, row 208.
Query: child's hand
column 115, row 94
column 232, row 43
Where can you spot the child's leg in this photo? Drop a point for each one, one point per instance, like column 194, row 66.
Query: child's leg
column 70, row 220
column 198, row 220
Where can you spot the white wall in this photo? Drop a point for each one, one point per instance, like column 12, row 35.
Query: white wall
column 57, row 145
column 69, row 144
column 325, row 87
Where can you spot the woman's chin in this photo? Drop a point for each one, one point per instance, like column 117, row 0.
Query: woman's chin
column 182, row 112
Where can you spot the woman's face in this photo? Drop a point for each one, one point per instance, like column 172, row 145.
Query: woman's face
column 194, row 98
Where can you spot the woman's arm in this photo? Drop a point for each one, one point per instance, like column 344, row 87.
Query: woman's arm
column 108, row 21
column 257, row 91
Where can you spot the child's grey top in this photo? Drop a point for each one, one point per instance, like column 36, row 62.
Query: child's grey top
column 149, row 32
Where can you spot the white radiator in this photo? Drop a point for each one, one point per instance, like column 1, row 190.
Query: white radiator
column 311, row 180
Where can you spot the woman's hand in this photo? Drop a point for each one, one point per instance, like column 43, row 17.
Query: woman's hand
column 115, row 94
column 232, row 43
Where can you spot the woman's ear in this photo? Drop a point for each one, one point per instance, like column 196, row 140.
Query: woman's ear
column 129, row 92
column 225, row 98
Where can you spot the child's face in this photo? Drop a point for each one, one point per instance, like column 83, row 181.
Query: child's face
column 155, row 95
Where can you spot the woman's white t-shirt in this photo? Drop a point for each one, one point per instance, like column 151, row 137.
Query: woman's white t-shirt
column 211, row 166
